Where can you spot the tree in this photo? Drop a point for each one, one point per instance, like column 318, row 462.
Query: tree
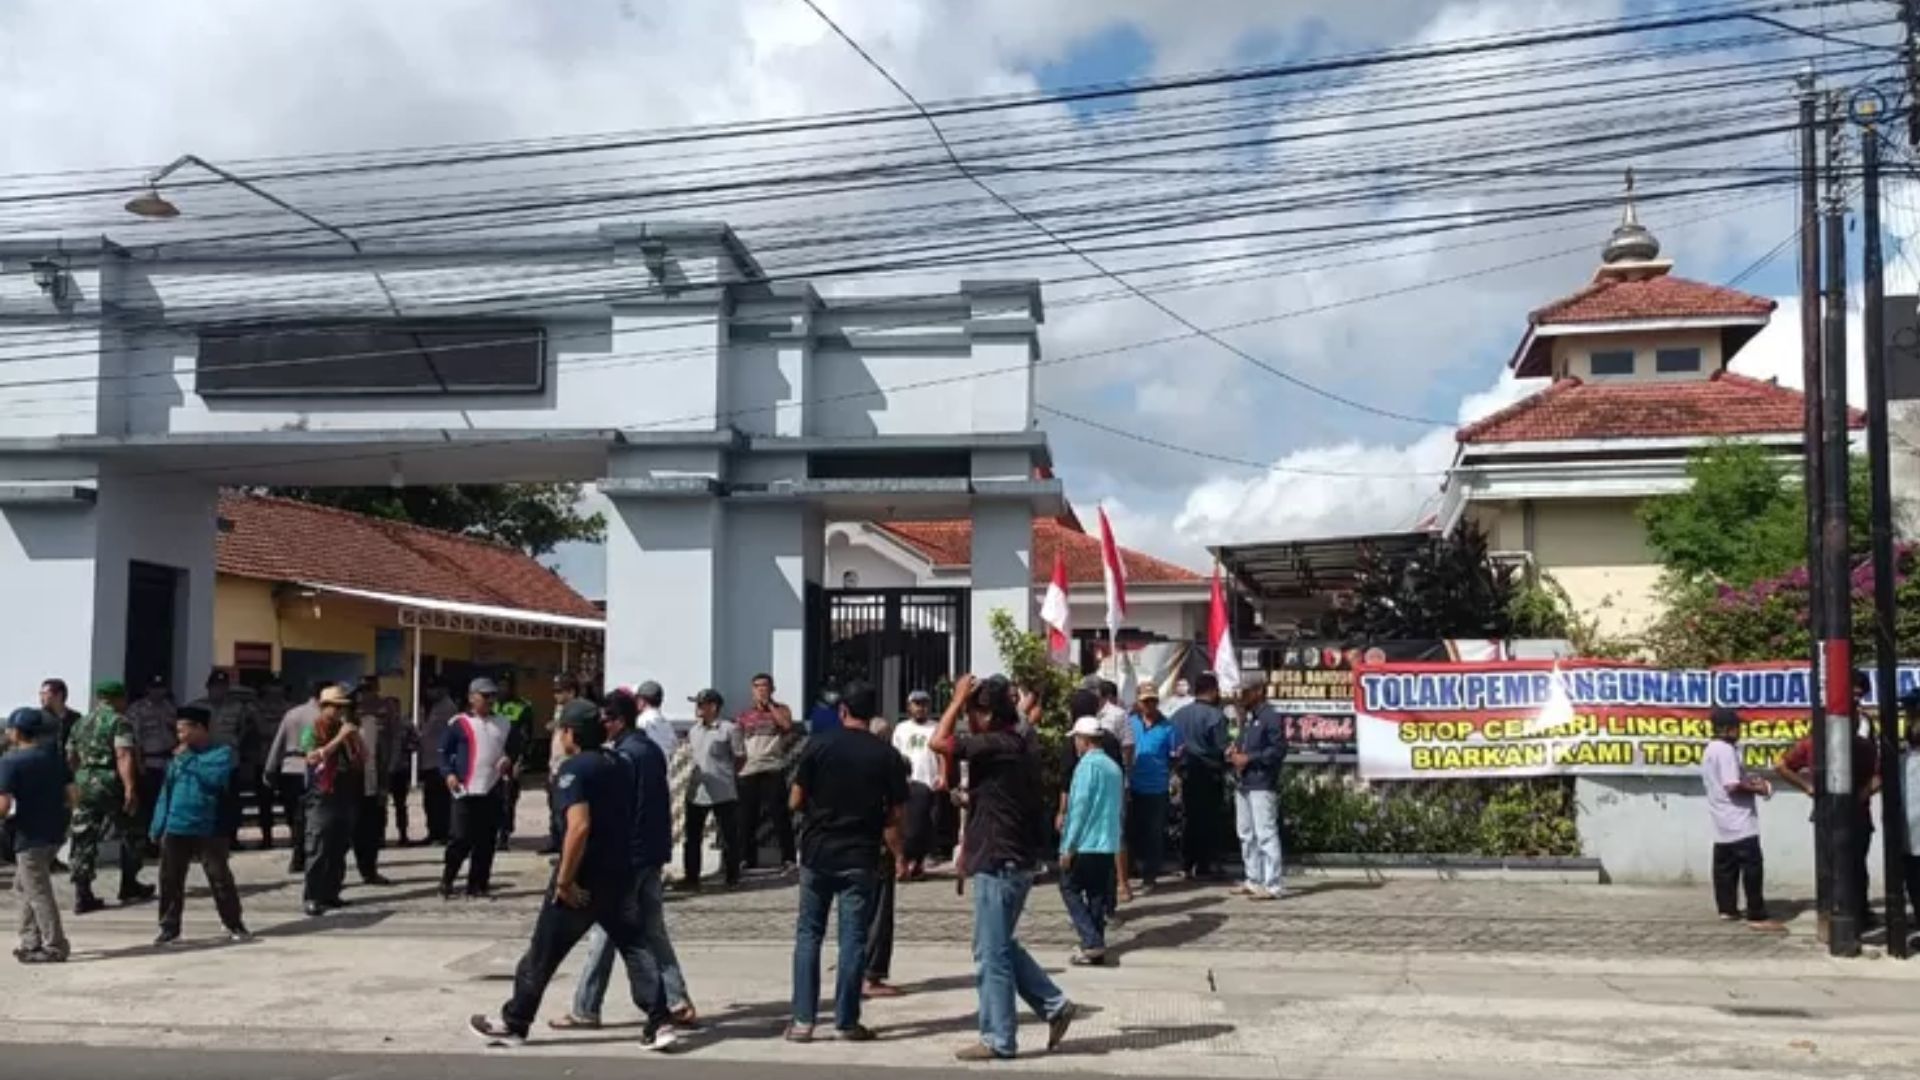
column 532, row 517
column 1741, row 519
column 1448, row 589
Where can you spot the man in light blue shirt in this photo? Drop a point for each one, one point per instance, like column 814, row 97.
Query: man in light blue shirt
column 1089, row 841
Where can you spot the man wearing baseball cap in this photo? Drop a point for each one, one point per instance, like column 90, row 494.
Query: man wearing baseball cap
column 477, row 756
column 717, row 750
column 36, row 788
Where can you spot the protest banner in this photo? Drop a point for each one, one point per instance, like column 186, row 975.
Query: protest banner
column 1546, row 718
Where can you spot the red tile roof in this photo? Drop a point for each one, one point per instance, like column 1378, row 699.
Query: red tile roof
column 1724, row 405
column 950, row 543
column 284, row 540
column 1662, row 297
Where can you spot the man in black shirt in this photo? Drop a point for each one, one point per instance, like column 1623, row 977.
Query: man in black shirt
column 592, row 886
column 849, row 789
column 1203, row 778
column 1005, row 835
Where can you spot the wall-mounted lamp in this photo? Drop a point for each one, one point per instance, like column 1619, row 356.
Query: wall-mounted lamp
column 50, row 276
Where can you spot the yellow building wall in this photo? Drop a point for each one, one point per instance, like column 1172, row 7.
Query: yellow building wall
column 1597, row 550
column 247, row 609
column 243, row 610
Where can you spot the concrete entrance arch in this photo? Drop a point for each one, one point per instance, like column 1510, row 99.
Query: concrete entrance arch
column 728, row 416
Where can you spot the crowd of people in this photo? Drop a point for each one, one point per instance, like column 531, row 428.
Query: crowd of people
column 1733, row 794
column 878, row 801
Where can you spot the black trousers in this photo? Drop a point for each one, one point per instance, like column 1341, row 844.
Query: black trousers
column 291, row 788
column 1203, row 798
column 724, row 823
column 946, row 825
column 764, row 794
column 614, row 908
column 330, row 822
column 879, row 958
column 437, row 802
column 1147, row 834
column 369, row 834
column 264, row 794
column 916, row 822
column 399, row 785
column 475, row 829
column 179, row 852
column 508, row 794
column 1734, row 865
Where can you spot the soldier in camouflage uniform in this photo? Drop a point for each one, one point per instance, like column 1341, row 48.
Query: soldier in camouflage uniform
column 232, row 724
column 105, row 759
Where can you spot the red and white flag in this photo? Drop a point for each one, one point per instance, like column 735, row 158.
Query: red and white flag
column 1115, row 575
column 1226, row 664
column 1056, row 612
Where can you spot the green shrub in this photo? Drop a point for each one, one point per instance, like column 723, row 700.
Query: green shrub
column 1326, row 811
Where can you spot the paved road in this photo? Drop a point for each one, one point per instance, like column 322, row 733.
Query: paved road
column 42, row 1062
column 1324, row 916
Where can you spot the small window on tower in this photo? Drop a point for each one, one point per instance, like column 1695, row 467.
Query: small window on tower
column 1606, row 364
column 1675, row 361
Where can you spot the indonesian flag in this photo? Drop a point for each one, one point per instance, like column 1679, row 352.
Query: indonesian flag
column 1226, row 665
column 1055, row 611
column 1115, row 575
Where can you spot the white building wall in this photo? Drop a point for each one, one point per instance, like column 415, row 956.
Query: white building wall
column 663, row 570
column 1655, row 831
column 1002, row 578
column 773, row 550
column 68, row 565
column 46, row 560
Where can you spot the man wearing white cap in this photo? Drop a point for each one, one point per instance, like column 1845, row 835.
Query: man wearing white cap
column 1090, row 841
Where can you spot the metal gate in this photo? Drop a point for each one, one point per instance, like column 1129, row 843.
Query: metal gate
column 900, row 640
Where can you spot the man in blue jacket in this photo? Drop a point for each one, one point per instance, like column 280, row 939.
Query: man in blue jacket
column 1256, row 757
column 187, row 825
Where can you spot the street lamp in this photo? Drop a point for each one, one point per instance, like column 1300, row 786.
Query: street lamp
column 152, row 204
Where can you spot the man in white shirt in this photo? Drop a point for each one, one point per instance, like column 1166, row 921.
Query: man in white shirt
column 911, row 737
column 1732, row 795
column 653, row 724
column 1182, row 697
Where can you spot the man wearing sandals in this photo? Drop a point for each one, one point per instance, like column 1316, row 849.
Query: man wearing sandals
column 651, row 846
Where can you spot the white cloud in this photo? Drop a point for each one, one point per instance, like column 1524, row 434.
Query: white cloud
column 1774, row 353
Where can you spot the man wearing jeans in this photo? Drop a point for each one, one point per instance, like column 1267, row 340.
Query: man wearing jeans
column 650, row 846
column 591, row 886
column 1006, row 830
column 850, row 787
column 1731, row 794
column 1256, row 758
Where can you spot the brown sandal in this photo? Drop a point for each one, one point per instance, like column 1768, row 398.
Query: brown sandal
column 571, row 1022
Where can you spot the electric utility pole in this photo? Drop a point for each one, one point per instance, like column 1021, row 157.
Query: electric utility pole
column 1813, row 441
column 1868, row 107
column 1840, row 806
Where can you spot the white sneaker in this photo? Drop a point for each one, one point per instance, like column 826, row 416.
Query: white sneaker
column 494, row 1032
column 659, row 1040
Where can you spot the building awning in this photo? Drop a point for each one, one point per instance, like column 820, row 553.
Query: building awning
column 1303, row 568
column 432, row 614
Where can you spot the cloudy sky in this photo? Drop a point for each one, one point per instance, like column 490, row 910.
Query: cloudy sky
column 91, row 84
